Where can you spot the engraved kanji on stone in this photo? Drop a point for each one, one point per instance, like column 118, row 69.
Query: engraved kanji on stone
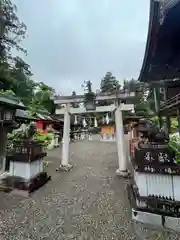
column 160, row 157
column 163, row 157
column 149, row 156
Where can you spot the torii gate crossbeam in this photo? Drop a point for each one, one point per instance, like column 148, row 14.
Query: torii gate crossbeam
column 118, row 107
column 110, row 108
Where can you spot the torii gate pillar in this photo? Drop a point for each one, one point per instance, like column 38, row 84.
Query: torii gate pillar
column 120, row 140
column 119, row 107
column 66, row 139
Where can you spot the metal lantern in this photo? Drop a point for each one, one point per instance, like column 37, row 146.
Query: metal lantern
column 89, row 102
column 75, row 120
column 90, row 106
column 107, row 118
column 7, row 115
column 103, row 120
column 84, row 123
column 95, row 122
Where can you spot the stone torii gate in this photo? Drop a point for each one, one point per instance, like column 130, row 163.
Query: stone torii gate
column 118, row 107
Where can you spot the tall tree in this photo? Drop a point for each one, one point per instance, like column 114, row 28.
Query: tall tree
column 109, row 84
column 23, row 86
column 15, row 74
column 43, row 99
column 12, row 32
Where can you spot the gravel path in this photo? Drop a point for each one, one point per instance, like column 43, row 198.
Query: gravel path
column 89, row 202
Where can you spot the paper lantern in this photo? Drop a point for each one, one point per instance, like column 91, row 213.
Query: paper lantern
column 95, row 122
column 107, row 118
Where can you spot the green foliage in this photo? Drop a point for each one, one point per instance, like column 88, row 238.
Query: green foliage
column 37, row 96
column 109, row 83
column 89, row 96
column 12, row 30
column 44, row 139
column 130, row 85
column 15, row 73
column 174, row 125
column 42, row 99
column 14, row 137
column 22, row 85
column 8, row 92
column 141, row 105
column 174, row 144
column 19, row 134
column 155, row 120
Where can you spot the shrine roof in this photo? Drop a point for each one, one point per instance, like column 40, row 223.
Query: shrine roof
column 11, row 101
column 55, row 118
column 43, row 117
column 162, row 54
column 24, row 114
column 46, row 117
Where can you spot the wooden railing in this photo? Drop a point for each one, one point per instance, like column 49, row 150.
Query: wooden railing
column 171, row 103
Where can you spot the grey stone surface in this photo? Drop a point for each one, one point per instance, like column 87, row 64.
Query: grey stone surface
column 88, row 202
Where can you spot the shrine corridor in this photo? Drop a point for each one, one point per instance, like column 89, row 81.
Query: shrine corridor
column 89, row 202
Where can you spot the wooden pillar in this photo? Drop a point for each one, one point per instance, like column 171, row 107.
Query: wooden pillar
column 168, row 119
column 168, row 125
column 156, row 102
column 178, row 118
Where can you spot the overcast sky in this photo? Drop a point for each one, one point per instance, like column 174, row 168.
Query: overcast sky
column 70, row 41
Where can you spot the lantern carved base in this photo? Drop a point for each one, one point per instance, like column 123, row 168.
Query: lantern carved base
column 154, row 211
column 123, row 174
column 22, row 186
column 26, row 167
column 64, row 168
column 25, row 177
column 26, row 170
column 154, row 191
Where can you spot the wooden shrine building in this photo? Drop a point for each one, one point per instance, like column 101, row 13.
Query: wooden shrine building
column 155, row 198
column 161, row 65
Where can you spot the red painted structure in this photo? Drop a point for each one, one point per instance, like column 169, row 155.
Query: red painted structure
column 43, row 126
column 39, row 124
column 44, row 122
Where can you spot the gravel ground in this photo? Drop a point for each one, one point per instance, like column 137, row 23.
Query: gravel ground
column 89, row 202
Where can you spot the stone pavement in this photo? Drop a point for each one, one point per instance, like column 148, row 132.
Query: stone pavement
column 89, row 202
